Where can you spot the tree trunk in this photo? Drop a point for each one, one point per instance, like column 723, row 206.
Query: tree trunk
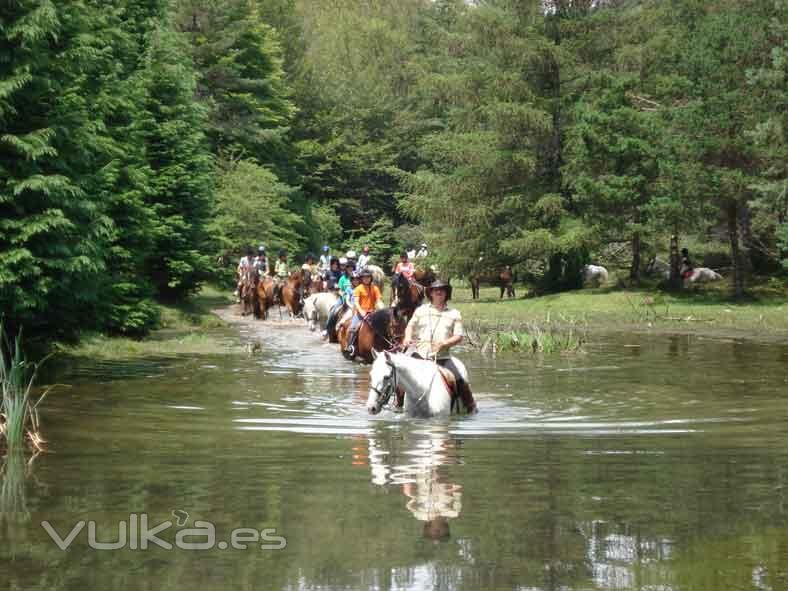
column 634, row 270
column 675, row 264
column 733, row 238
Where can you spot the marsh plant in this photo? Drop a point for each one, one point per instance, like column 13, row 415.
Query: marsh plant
column 19, row 405
column 564, row 336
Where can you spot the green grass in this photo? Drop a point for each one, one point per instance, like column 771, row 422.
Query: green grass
column 708, row 310
column 18, row 405
column 185, row 330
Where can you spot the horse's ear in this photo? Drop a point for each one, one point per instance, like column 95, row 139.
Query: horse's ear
column 388, row 356
column 374, row 354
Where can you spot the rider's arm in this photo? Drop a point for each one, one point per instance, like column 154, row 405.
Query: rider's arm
column 457, row 333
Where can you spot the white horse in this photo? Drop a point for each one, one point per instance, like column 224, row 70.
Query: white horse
column 703, row 275
column 426, row 394
column 378, row 276
column 594, row 275
column 317, row 307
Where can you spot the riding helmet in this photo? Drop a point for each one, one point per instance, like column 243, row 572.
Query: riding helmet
column 282, row 252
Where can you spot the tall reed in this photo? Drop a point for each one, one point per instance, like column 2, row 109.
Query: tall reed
column 18, row 406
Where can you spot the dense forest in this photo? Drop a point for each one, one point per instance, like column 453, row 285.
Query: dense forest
column 144, row 142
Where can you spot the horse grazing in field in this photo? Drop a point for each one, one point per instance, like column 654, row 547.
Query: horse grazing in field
column 429, row 389
column 265, row 296
column 703, row 275
column 292, row 292
column 317, row 307
column 380, row 331
column 503, row 279
column 594, row 275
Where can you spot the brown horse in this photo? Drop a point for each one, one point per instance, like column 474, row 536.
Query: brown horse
column 382, row 331
column 292, row 293
column 248, row 286
column 265, row 296
column 503, row 279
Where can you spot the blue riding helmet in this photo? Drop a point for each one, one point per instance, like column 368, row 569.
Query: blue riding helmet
column 325, row 248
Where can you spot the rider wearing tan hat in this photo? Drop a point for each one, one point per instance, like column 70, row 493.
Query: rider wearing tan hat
column 435, row 328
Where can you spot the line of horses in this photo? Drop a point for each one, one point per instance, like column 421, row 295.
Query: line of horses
column 306, row 295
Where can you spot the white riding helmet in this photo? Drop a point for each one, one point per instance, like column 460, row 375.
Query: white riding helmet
column 351, row 254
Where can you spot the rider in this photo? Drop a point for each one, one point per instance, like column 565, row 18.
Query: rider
column 686, row 266
column 261, row 260
column 422, row 253
column 346, row 284
column 243, row 267
column 332, row 275
column 363, row 260
column 435, row 328
column 325, row 258
column 281, row 273
column 366, row 297
column 405, row 267
column 309, row 264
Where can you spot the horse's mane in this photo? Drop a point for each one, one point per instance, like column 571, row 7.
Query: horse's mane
column 379, row 321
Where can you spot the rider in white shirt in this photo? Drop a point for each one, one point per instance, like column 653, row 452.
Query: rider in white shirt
column 363, row 260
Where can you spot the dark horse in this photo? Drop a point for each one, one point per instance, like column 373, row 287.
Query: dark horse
column 407, row 294
column 503, row 279
column 382, row 331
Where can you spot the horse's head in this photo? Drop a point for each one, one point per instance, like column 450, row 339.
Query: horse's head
column 382, row 382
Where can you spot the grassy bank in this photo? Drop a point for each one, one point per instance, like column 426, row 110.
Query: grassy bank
column 185, row 329
column 709, row 311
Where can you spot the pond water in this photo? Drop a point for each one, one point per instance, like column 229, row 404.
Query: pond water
column 653, row 463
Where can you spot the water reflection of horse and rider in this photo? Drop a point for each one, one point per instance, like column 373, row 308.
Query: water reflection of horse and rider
column 416, row 463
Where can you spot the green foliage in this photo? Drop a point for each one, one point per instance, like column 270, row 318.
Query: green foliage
column 181, row 187
column 251, row 208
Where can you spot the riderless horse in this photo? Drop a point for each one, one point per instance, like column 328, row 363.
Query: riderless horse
column 503, row 279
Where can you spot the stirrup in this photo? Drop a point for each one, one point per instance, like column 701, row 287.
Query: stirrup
column 350, row 350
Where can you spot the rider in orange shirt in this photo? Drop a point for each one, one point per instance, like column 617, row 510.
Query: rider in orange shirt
column 366, row 298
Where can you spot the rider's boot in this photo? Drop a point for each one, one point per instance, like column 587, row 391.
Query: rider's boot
column 350, row 350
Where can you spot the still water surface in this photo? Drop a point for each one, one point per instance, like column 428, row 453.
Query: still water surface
column 656, row 463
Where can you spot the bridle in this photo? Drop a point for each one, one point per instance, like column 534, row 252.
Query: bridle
column 390, row 384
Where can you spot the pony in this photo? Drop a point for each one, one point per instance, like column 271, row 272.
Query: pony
column 265, row 296
column 594, row 275
column 292, row 292
column 380, row 331
column 426, row 385
column 503, row 279
column 317, row 307
column 248, row 291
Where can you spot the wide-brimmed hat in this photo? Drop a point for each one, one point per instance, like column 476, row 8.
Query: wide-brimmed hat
column 439, row 284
